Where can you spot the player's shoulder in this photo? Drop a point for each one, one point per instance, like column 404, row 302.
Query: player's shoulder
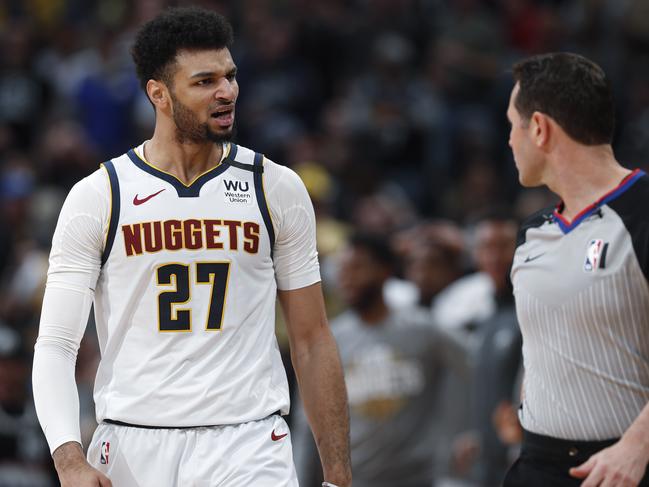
column 95, row 183
column 535, row 220
column 241, row 154
column 277, row 177
column 98, row 183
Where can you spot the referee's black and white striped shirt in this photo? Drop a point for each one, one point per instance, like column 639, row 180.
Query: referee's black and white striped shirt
column 582, row 299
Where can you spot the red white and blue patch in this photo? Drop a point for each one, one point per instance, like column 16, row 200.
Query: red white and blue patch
column 595, row 255
column 104, row 453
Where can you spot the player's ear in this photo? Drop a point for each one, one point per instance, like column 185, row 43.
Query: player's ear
column 158, row 93
column 540, row 129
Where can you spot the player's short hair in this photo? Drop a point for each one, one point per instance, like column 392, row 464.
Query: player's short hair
column 571, row 89
column 158, row 42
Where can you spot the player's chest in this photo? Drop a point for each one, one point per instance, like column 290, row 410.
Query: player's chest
column 224, row 217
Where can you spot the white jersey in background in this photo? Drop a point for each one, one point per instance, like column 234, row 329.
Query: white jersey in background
column 184, row 281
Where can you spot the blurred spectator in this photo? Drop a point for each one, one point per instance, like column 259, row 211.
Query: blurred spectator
column 392, row 360
column 496, row 354
column 433, row 255
column 24, row 455
column 23, row 94
column 65, row 155
column 391, row 111
column 110, row 90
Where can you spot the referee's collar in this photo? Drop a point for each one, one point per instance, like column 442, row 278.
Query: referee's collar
column 568, row 226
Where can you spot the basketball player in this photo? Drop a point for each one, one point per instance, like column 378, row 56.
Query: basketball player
column 181, row 244
column 580, row 282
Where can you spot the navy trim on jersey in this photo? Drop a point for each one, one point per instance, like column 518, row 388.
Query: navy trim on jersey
column 535, row 220
column 114, row 210
column 245, row 167
column 631, row 207
column 627, row 182
column 261, row 201
column 184, row 191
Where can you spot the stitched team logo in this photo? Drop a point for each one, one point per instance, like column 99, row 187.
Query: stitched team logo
column 103, row 454
column 595, row 255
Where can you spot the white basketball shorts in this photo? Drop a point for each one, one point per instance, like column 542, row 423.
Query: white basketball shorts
column 256, row 454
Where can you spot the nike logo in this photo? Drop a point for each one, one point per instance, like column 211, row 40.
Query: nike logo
column 137, row 201
column 275, row 437
column 529, row 258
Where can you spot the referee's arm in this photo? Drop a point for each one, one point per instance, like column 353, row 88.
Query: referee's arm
column 622, row 464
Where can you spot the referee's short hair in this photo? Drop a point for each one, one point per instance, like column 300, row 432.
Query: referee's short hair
column 571, row 89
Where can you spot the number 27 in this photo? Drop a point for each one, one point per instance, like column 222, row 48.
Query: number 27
column 171, row 318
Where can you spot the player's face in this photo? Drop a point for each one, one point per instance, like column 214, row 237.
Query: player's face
column 360, row 277
column 204, row 94
column 495, row 243
column 526, row 156
column 430, row 270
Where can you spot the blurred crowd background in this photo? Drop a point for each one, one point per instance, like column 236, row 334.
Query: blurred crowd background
column 393, row 113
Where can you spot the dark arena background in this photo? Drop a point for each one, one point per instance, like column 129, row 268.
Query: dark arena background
column 393, row 114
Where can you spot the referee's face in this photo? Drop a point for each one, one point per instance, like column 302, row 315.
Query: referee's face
column 526, row 156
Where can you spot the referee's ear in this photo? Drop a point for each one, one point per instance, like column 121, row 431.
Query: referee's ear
column 541, row 128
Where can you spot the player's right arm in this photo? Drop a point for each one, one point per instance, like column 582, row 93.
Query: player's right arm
column 75, row 262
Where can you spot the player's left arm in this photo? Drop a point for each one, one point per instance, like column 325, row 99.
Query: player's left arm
column 622, row 464
column 313, row 349
column 317, row 365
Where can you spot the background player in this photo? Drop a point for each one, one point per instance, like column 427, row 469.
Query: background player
column 182, row 244
column 394, row 361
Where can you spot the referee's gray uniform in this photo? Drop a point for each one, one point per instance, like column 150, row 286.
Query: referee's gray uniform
column 582, row 300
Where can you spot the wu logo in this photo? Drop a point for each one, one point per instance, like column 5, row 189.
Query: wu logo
column 237, row 185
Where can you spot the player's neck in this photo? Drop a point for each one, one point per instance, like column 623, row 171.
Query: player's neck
column 184, row 160
column 580, row 177
column 374, row 314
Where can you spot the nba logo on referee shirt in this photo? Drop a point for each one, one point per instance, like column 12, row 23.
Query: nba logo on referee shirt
column 105, row 449
column 595, row 255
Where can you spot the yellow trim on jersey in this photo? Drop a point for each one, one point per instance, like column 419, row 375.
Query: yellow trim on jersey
column 226, row 153
column 270, row 212
column 110, row 207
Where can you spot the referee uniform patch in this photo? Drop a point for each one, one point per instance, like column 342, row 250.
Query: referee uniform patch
column 595, row 255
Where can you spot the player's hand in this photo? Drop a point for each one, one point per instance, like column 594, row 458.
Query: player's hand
column 74, row 470
column 620, row 465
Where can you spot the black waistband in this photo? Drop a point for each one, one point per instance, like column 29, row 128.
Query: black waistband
column 557, row 448
column 151, row 427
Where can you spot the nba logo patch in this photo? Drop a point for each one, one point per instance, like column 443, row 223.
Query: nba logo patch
column 595, row 255
column 105, row 450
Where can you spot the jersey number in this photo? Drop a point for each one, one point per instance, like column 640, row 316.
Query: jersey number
column 172, row 318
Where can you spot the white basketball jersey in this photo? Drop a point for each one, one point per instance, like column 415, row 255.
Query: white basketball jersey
column 185, row 302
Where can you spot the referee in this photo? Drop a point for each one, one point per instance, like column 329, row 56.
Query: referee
column 580, row 276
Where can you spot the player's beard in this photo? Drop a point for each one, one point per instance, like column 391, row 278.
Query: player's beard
column 366, row 298
column 190, row 129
